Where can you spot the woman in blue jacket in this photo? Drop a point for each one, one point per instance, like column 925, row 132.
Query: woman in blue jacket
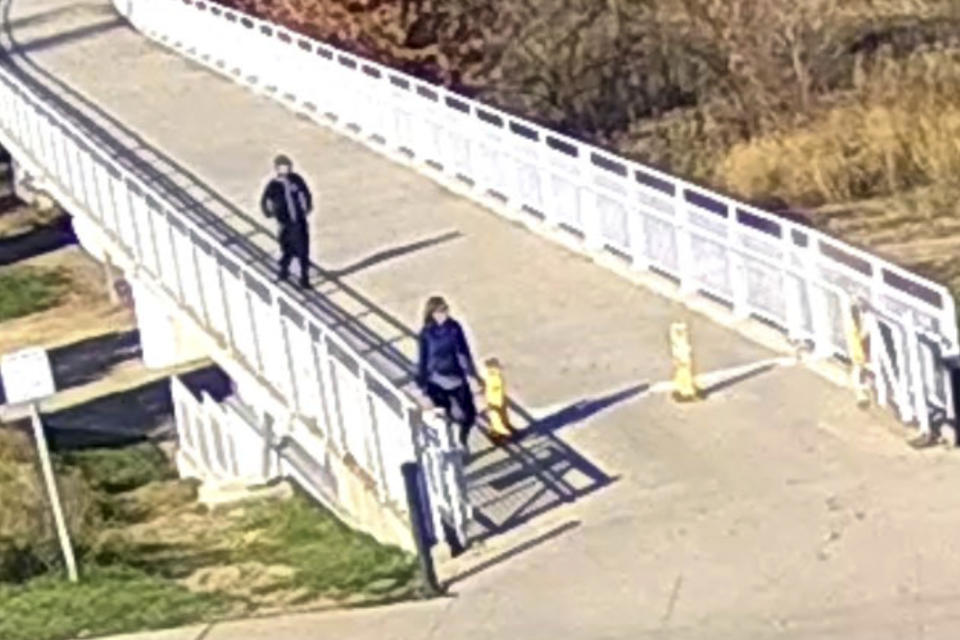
column 446, row 365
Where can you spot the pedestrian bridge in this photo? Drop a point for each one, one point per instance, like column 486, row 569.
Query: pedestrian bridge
column 564, row 260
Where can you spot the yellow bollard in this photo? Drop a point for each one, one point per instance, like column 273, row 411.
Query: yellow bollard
column 855, row 335
column 496, row 400
column 684, row 386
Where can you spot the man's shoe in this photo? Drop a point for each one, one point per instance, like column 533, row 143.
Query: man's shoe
column 305, row 284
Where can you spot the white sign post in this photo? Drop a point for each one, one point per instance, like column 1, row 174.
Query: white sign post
column 28, row 377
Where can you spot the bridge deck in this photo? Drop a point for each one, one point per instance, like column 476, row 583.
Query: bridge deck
column 773, row 499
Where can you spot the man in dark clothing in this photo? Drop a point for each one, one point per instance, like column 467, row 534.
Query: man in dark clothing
column 288, row 199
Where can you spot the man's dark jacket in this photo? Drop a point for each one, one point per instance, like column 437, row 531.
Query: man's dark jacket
column 288, row 200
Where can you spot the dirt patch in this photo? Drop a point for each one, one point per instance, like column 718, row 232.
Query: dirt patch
column 21, row 219
column 85, row 311
column 258, row 585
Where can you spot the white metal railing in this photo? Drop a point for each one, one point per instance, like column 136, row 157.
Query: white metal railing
column 356, row 410
column 760, row 264
column 707, row 241
column 215, row 441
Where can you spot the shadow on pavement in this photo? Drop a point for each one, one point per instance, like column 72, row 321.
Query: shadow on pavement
column 734, row 380
column 535, row 471
column 523, row 547
column 75, row 34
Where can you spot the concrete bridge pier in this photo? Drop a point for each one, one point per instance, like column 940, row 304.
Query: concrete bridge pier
column 165, row 340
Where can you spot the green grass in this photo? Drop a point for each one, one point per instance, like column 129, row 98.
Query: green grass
column 331, row 558
column 131, row 584
column 26, row 290
column 118, row 470
column 106, row 601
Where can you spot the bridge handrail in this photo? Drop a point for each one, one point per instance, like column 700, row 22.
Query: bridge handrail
column 226, row 38
column 76, row 162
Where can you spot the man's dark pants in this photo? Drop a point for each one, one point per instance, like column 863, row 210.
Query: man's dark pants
column 295, row 243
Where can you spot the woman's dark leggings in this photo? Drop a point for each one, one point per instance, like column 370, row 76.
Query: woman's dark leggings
column 458, row 404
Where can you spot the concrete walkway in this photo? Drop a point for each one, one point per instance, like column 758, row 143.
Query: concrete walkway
column 774, row 509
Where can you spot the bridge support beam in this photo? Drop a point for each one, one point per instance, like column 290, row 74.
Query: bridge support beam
column 164, row 341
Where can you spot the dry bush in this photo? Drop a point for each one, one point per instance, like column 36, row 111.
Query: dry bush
column 28, row 542
column 900, row 133
column 769, row 57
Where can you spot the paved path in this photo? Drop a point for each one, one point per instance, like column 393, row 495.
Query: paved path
column 774, row 509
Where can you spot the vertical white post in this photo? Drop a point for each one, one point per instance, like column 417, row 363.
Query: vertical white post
column 876, row 358
column 738, row 272
column 287, row 354
column 686, row 269
column 426, row 455
column 637, row 234
column 198, row 279
column 589, row 205
column 918, row 386
column 253, row 324
column 382, row 491
column 904, row 401
column 819, row 308
column 266, row 424
column 54, row 494
column 551, row 213
column 336, row 396
column 326, row 394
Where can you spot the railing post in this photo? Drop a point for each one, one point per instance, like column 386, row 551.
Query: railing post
column 419, row 435
column 417, row 505
column 917, row 383
column 551, row 214
column 637, row 235
column 686, row 269
column 383, row 492
column 289, row 367
column 739, row 287
column 589, row 208
column 231, row 338
column 904, row 399
column 266, row 425
column 248, row 303
column 876, row 358
column 322, row 380
column 823, row 346
column 331, row 394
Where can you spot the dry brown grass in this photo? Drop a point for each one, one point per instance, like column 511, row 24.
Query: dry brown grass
column 899, row 132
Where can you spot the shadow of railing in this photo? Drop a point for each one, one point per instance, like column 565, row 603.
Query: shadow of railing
column 117, row 419
column 542, row 459
column 37, row 241
column 88, row 360
column 535, row 471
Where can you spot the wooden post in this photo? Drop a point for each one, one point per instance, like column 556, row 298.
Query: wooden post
column 51, row 483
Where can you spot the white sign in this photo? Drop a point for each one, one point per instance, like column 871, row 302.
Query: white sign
column 26, row 375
